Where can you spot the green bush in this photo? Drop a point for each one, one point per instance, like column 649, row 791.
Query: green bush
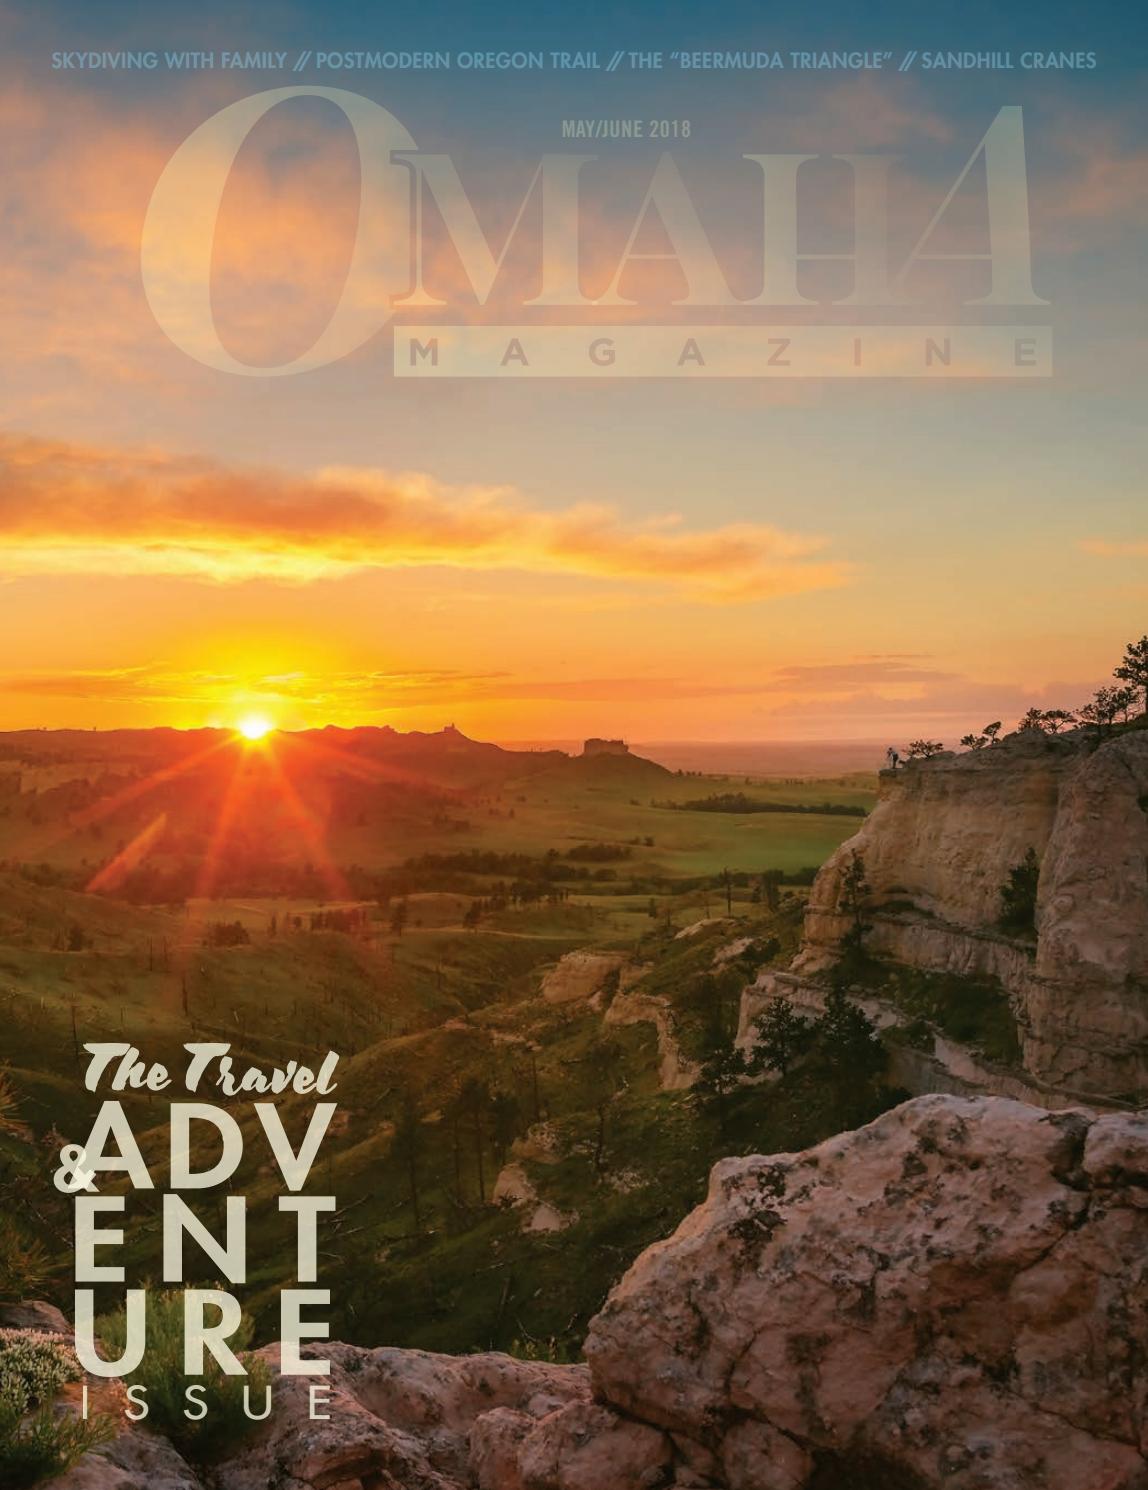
column 36, row 1442
column 553, row 1351
column 34, row 1365
column 26, row 1267
column 161, row 1372
column 44, row 1444
column 973, row 1011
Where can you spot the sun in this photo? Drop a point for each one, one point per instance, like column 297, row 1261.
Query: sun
column 254, row 727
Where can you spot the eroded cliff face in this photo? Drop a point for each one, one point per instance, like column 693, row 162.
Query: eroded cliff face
column 1086, row 1006
column 937, row 850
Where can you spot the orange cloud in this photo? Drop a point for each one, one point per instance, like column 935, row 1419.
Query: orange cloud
column 78, row 171
column 864, row 698
column 1101, row 182
column 832, row 678
column 356, row 694
column 75, row 509
column 862, row 112
column 1104, row 548
column 78, row 167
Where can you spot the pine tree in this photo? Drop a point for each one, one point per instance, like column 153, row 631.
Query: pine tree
column 782, row 1036
column 855, row 889
column 1134, row 669
column 853, row 1057
column 718, row 1077
column 474, row 1100
column 505, row 1122
column 848, row 1038
column 604, row 1059
column 407, row 1146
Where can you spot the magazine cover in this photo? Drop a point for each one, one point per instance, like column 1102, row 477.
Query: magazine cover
column 573, row 747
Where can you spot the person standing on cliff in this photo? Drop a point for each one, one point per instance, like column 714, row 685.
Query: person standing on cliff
column 892, row 759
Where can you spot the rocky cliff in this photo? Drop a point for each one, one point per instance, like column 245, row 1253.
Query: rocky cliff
column 955, row 1296
column 936, row 852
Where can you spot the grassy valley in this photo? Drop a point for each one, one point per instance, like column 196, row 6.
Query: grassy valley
column 512, row 1128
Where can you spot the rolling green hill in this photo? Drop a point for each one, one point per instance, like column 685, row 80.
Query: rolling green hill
column 502, row 1149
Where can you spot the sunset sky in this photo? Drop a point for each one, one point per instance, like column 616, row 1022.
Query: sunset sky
column 546, row 559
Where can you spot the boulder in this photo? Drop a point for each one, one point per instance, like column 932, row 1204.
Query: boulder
column 34, row 1314
column 955, row 1295
column 584, row 1446
column 513, row 1187
column 394, row 1419
column 134, row 1460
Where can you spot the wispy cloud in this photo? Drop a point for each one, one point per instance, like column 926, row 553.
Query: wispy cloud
column 1124, row 548
column 341, row 694
column 1099, row 186
column 859, row 699
column 73, row 509
column 78, row 170
column 893, row 672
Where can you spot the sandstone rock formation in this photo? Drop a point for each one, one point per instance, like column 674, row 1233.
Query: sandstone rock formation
column 578, row 976
column 696, row 928
column 596, row 746
column 938, row 848
column 514, row 1187
column 135, row 1460
column 956, row 1295
column 585, row 976
column 34, row 1314
column 952, row 1298
column 401, row 1420
column 675, row 1073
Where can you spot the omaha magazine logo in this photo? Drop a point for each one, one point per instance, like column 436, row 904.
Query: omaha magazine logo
column 447, row 322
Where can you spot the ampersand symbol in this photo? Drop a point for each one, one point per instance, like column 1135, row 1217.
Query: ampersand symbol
column 73, row 1175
